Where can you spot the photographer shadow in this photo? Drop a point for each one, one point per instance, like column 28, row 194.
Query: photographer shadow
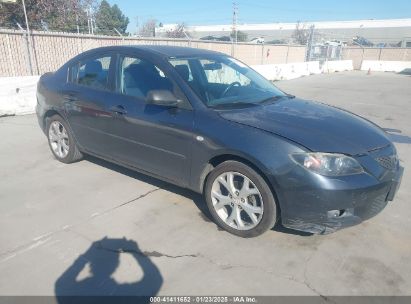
column 97, row 265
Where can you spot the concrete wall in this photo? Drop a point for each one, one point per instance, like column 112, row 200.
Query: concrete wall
column 299, row 69
column 288, row 71
column 358, row 54
column 48, row 51
column 386, row 66
column 18, row 95
column 337, row 66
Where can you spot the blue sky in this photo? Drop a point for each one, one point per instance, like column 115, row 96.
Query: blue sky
column 260, row 11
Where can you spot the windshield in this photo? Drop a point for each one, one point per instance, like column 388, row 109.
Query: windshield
column 222, row 81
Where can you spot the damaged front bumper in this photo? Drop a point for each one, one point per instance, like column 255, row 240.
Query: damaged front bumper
column 337, row 203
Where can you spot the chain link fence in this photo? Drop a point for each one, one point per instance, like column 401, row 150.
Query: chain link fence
column 47, row 51
column 359, row 54
column 324, row 53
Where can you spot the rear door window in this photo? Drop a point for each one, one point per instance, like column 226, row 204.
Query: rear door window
column 93, row 73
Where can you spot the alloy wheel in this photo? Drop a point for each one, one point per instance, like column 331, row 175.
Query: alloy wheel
column 237, row 200
column 59, row 140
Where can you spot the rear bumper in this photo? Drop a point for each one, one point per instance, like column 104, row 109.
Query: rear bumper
column 40, row 112
column 324, row 210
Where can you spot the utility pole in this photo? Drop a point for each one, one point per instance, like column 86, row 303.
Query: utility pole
column 78, row 27
column 91, row 22
column 235, row 18
column 137, row 25
column 28, row 37
column 88, row 22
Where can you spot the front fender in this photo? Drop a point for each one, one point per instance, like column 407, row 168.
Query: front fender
column 225, row 139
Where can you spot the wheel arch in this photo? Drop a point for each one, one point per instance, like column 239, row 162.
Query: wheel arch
column 220, row 158
column 49, row 113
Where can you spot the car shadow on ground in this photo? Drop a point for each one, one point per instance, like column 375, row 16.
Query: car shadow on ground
column 90, row 277
column 195, row 197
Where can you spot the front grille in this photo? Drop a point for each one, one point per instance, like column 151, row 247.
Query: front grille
column 388, row 162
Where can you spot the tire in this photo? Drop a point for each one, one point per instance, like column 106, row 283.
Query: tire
column 238, row 203
column 61, row 141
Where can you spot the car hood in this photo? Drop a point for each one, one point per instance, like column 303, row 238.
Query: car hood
column 316, row 126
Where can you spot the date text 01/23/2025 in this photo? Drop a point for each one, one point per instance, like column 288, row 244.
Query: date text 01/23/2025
column 203, row 299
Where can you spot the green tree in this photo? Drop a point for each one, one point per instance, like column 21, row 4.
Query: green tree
column 12, row 13
column 108, row 18
column 53, row 15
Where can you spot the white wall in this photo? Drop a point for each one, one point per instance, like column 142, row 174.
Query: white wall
column 299, row 69
column 18, row 95
column 385, row 66
column 337, row 66
column 288, row 71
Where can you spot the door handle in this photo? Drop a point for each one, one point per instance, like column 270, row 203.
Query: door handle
column 70, row 97
column 119, row 109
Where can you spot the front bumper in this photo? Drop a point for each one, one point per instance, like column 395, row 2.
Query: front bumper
column 325, row 205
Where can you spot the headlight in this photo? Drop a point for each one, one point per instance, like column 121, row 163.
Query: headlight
column 328, row 164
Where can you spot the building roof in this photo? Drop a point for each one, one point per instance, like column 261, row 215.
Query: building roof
column 349, row 24
column 377, row 31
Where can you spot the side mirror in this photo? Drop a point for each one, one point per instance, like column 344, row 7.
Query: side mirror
column 162, row 98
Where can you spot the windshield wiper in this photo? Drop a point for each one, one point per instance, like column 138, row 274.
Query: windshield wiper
column 234, row 104
column 275, row 98
column 270, row 99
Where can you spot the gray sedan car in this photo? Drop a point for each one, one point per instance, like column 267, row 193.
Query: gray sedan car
column 206, row 121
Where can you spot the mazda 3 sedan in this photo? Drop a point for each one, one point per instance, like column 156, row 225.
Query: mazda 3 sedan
column 206, row 121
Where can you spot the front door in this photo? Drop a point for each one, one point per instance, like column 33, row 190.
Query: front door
column 154, row 138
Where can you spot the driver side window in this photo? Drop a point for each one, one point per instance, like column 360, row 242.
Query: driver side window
column 138, row 77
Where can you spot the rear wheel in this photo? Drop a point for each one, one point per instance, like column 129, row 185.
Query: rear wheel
column 240, row 200
column 61, row 141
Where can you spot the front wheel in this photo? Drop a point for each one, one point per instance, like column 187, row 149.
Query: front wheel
column 61, row 141
column 240, row 200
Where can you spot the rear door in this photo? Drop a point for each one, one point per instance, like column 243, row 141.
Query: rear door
column 87, row 95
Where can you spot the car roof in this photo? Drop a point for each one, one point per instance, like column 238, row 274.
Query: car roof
column 164, row 51
column 161, row 50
